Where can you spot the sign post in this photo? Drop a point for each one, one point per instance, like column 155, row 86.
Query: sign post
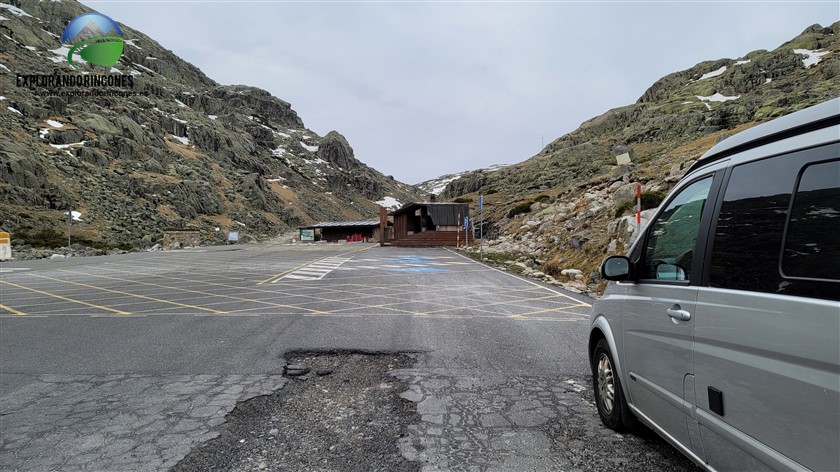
column 481, row 227
column 69, row 222
column 458, row 238
column 466, row 231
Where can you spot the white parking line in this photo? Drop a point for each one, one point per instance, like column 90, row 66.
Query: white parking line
column 315, row 271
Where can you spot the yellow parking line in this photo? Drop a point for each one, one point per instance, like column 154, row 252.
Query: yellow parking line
column 119, row 312
column 11, row 310
column 120, row 292
column 197, row 292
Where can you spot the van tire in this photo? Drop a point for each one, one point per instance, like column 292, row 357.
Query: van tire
column 609, row 395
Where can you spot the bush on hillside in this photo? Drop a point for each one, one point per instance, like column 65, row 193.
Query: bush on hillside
column 523, row 207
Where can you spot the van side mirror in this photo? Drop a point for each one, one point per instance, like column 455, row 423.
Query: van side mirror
column 616, row 268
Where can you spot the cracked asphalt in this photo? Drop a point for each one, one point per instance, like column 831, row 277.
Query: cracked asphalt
column 131, row 362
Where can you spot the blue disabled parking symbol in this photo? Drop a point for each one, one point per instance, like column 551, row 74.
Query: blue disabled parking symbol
column 414, row 264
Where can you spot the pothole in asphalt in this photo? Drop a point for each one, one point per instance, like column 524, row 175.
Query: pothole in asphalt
column 339, row 411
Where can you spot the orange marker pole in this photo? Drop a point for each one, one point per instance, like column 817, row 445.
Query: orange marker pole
column 639, row 209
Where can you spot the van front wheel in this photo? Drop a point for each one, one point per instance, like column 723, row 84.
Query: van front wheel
column 612, row 408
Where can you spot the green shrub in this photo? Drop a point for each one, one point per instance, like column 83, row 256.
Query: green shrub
column 543, row 198
column 462, row 200
column 626, row 205
column 649, row 200
column 652, row 199
column 520, row 208
column 499, row 257
column 46, row 237
column 50, row 239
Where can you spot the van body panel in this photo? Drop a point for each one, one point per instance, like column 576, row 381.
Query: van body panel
column 775, row 358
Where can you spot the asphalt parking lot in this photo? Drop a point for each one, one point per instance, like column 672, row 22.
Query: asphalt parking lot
column 130, row 362
column 202, row 282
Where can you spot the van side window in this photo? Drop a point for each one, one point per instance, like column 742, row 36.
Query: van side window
column 670, row 247
column 812, row 241
column 747, row 252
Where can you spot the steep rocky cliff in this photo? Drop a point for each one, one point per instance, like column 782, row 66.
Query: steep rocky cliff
column 570, row 205
column 180, row 151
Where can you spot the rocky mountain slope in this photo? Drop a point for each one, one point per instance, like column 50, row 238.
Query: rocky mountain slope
column 560, row 212
column 436, row 186
column 181, row 152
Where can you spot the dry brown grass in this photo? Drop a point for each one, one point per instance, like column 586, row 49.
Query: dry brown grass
column 183, row 150
column 168, row 212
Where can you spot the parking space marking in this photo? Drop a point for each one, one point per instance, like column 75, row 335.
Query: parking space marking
column 119, row 312
column 316, row 270
column 443, row 317
column 161, row 285
column 281, row 275
column 249, row 289
column 522, row 279
column 198, row 292
column 120, row 292
column 11, row 310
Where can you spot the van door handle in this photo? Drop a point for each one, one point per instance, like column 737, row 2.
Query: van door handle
column 678, row 314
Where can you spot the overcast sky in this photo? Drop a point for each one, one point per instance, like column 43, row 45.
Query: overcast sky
column 423, row 89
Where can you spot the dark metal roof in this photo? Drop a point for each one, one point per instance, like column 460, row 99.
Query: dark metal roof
column 441, row 213
column 812, row 118
column 344, row 224
column 415, row 205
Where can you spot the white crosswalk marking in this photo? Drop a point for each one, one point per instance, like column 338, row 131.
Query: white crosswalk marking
column 316, row 270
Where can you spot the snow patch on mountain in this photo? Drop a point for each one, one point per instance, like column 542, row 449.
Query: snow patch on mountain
column 812, row 57
column 717, row 97
column 14, row 10
column 390, row 203
column 713, row 73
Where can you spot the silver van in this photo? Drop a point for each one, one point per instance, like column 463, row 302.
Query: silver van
column 721, row 328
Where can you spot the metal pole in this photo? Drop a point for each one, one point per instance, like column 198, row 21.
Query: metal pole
column 69, row 221
column 481, row 227
column 458, row 238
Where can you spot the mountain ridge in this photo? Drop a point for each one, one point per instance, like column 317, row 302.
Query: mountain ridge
column 183, row 151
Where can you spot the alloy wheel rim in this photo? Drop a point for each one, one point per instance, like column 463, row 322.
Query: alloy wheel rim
column 606, row 383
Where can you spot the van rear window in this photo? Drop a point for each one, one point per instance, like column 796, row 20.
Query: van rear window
column 812, row 240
